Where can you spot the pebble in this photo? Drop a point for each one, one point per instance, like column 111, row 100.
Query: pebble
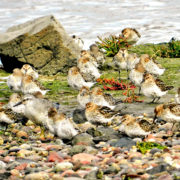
column 2, row 165
column 54, row 157
column 63, row 166
column 37, row 176
column 22, row 134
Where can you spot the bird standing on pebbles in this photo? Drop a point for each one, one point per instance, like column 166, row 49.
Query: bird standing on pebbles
column 31, row 86
column 168, row 112
column 99, row 114
column 131, row 35
column 133, row 126
column 14, row 80
column 120, row 60
column 151, row 66
column 28, row 70
column 84, row 96
column 177, row 96
column 75, row 79
column 103, row 99
column 63, row 126
column 154, row 88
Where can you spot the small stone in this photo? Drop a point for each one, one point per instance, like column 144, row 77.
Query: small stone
column 37, row 176
column 21, row 166
column 1, row 141
column 2, row 165
column 23, row 153
column 54, row 157
column 63, row 166
column 83, row 139
column 9, row 159
column 77, row 149
column 155, row 150
column 21, row 134
column 25, row 146
column 84, row 158
column 15, row 172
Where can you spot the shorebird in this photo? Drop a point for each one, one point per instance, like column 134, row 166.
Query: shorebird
column 36, row 109
column 168, row 112
column 84, row 96
column 6, row 116
column 64, row 127
column 120, row 60
column 136, row 75
column 75, row 79
column 88, row 70
column 31, row 86
column 131, row 35
column 132, row 60
column 29, row 70
column 103, row 99
column 177, row 96
column 133, row 126
column 151, row 66
column 99, row 114
column 14, row 80
column 78, row 41
column 95, row 52
column 86, row 54
column 154, row 88
column 13, row 100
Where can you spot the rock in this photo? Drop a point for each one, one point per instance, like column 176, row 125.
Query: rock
column 125, row 142
column 9, row 159
column 54, row 157
column 114, row 168
column 21, row 134
column 1, row 141
column 83, row 139
column 97, row 174
column 2, row 165
column 37, row 176
column 155, row 150
column 79, row 116
column 21, row 166
column 43, row 43
column 103, row 133
column 84, row 158
column 158, row 169
column 63, row 166
column 77, row 149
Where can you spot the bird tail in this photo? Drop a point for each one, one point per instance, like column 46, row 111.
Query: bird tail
column 169, row 87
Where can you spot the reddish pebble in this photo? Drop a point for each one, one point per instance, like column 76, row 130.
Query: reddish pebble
column 21, row 166
column 9, row 158
column 54, row 157
column 84, row 158
column 68, row 173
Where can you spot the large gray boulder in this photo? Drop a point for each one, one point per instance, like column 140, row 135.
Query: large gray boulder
column 42, row 43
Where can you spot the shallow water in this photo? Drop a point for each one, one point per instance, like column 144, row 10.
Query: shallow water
column 156, row 20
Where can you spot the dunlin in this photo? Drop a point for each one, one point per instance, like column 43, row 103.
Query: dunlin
column 75, row 79
column 63, row 126
column 88, row 70
column 14, row 80
column 95, row 52
column 31, row 86
column 154, row 88
column 99, row 114
column 84, row 96
column 133, row 126
column 136, row 75
column 120, row 60
column 177, row 96
column 151, row 66
column 29, row 70
column 131, row 35
column 103, row 99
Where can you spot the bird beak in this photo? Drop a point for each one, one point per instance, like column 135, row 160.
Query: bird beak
column 19, row 103
column 158, row 120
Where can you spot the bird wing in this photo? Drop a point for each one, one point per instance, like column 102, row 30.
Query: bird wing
column 106, row 111
column 175, row 109
column 162, row 85
column 109, row 98
column 40, row 85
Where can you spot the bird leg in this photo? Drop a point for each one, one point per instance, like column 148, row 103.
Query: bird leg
column 158, row 99
column 119, row 74
column 42, row 135
column 128, row 74
column 139, row 91
column 153, row 100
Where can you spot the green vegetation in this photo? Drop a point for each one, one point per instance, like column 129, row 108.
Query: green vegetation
column 112, row 44
column 145, row 146
column 165, row 50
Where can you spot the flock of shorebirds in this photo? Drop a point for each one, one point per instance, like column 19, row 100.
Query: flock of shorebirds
column 28, row 97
